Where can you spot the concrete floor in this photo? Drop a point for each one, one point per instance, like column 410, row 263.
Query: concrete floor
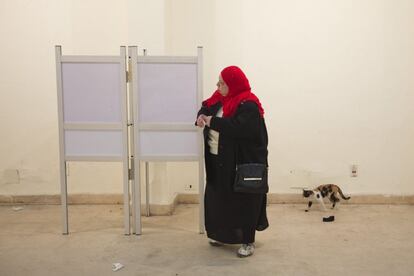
column 363, row 240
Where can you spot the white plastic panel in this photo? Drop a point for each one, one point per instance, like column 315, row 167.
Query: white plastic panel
column 168, row 143
column 167, row 93
column 91, row 92
column 93, row 143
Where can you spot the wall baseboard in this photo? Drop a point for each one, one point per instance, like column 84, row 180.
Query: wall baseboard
column 168, row 209
column 79, row 199
column 355, row 199
column 298, row 199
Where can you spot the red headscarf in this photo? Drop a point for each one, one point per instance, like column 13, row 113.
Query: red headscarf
column 239, row 91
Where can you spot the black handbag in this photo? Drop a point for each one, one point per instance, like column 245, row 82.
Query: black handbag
column 251, row 178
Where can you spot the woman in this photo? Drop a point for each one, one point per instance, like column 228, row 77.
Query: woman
column 235, row 133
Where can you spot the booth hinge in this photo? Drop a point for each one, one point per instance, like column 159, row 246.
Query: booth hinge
column 131, row 170
column 131, row 174
column 128, row 76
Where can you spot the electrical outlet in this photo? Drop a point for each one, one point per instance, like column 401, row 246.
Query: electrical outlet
column 354, row 170
column 189, row 187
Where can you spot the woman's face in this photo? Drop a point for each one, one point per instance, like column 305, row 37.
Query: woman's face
column 222, row 86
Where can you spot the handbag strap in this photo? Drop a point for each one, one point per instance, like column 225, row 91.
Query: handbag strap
column 237, row 156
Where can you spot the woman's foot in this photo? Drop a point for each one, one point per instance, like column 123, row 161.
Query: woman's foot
column 245, row 250
column 215, row 243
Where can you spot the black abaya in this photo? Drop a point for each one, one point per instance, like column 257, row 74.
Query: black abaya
column 232, row 217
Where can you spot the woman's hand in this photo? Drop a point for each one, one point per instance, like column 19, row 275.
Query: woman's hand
column 203, row 120
column 200, row 120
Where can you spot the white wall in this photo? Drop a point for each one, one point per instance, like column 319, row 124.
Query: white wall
column 27, row 100
column 29, row 31
column 335, row 79
column 340, row 91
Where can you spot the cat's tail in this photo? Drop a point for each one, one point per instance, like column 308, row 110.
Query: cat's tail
column 342, row 195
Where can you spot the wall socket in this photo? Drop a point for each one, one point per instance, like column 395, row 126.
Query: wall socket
column 354, row 170
column 189, row 187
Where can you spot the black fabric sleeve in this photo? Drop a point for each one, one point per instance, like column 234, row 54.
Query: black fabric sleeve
column 204, row 110
column 244, row 124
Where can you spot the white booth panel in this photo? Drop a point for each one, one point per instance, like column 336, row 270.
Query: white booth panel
column 168, row 143
column 167, row 93
column 91, row 92
column 93, row 143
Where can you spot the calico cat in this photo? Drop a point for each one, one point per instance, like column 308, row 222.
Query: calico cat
column 327, row 190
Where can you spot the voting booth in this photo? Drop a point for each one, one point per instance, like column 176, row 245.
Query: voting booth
column 131, row 112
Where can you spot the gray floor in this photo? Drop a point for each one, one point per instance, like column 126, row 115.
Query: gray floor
column 363, row 240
